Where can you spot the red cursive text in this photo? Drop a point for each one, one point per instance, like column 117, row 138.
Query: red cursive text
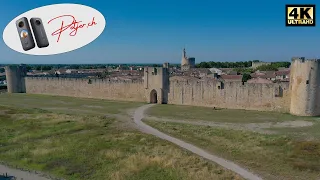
column 73, row 26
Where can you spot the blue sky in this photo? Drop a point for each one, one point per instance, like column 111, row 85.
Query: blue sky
column 154, row 31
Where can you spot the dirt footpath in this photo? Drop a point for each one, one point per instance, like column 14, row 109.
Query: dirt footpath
column 139, row 115
column 20, row 174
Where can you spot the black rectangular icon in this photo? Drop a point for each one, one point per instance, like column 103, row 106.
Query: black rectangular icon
column 39, row 32
column 300, row 15
column 25, row 34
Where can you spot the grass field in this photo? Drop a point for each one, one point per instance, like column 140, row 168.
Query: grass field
column 69, row 105
column 302, row 133
column 290, row 153
column 80, row 145
column 223, row 115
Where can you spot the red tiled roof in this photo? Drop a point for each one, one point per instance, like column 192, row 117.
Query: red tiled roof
column 62, row 71
column 266, row 74
column 199, row 70
column 281, row 73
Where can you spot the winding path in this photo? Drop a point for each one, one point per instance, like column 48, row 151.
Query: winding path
column 21, row 174
column 139, row 115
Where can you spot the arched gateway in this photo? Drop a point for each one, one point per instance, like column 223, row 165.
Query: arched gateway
column 153, row 96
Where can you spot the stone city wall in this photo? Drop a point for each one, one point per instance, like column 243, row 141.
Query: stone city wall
column 232, row 95
column 75, row 87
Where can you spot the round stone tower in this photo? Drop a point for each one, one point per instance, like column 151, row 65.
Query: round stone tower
column 304, row 83
column 15, row 78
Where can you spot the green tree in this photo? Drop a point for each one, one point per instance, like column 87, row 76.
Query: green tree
column 246, row 77
column 211, row 64
column 101, row 66
column 103, row 74
column 269, row 67
column 44, row 68
column 204, row 65
column 281, row 64
column 1, row 70
column 243, row 70
column 75, row 67
column 29, row 68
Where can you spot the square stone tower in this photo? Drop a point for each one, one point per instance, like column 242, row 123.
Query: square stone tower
column 156, row 84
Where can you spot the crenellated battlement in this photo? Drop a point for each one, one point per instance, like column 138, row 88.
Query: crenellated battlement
column 303, row 59
column 93, row 80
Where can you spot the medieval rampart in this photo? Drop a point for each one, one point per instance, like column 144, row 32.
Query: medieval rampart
column 300, row 97
column 268, row 97
column 233, row 95
column 97, row 88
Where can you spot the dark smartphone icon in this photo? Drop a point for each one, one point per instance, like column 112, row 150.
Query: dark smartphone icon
column 39, row 32
column 25, row 34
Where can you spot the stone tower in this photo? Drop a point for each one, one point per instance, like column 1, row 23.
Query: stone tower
column 156, row 84
column 15, row 78
column 304, row 83
column 165, row 65
column 184, row 60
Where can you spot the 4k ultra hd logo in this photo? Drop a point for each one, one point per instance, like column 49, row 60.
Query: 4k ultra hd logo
column 300, row 15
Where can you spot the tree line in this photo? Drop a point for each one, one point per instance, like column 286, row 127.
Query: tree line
column 213, row 64
column 241, row 64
